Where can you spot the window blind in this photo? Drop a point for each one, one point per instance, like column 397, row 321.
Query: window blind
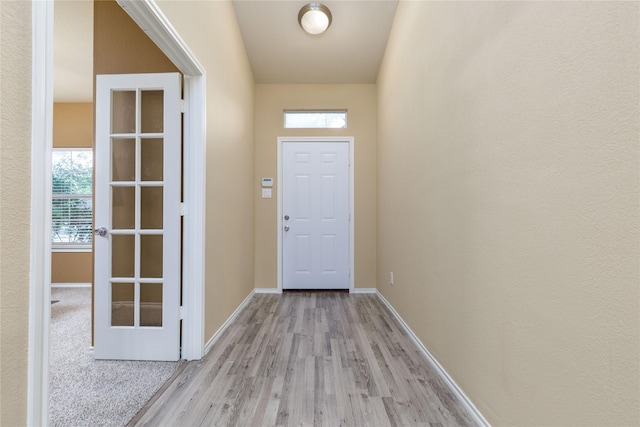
column 72, row 209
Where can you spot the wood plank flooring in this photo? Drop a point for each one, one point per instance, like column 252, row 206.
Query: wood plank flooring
column 309, row 358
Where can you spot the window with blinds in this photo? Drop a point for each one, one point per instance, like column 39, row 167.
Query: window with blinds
column 72, row 210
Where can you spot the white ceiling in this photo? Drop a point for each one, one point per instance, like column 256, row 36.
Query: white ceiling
column 279, row 51
column 350, row 51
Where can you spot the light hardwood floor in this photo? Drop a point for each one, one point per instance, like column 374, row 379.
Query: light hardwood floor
column 309, row 358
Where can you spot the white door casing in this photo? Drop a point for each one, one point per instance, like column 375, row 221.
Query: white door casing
column 137, row 200
column 147, row 15
column 315, row 212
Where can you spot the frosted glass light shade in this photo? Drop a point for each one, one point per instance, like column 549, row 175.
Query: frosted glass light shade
column 314, row 18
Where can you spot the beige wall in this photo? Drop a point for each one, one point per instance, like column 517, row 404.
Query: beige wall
column 120, row 46
column 72, row 125
column 508, row 202
column 15, row 182
column 517, row 123
column 71, row 267
column 360, row 101
column 72, row 128
column 210, row 29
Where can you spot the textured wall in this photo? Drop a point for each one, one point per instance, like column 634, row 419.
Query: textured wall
column 72, row 125
column 210, row 29
column 120, row 46
column 15, row 169
column 360, row 100
column 71, row 267
column 508, row 202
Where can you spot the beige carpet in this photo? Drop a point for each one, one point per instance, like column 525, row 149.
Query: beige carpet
column 88, row 392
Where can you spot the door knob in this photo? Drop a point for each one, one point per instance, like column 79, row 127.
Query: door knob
column 286, row 228
column 102, row 231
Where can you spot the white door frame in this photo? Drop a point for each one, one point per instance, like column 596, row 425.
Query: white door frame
column 148, row 16
column 346, row 139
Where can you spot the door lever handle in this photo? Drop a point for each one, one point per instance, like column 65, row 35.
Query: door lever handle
column 102, row 231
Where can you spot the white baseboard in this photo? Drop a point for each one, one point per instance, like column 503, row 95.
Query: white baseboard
column 365, row 291
column 267, row 291
column 71, row 285
column 226, row 324
column 475, row 413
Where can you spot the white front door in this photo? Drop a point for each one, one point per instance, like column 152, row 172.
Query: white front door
column 137, row 217
column 315, row 221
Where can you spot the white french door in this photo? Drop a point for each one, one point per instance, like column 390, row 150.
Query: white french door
column 315, row 215
column 137, row 217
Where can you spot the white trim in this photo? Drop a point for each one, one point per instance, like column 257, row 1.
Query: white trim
column 352, row 211
column 193, row 271
column 466, row 402
column 226, row 324
column 267, row 291
column 71, row 285
column 365, row 291
column 279, row 215
column 348, row 139
column 152, row 21
column 40, row 222
column 150, row 18
column 61, row 249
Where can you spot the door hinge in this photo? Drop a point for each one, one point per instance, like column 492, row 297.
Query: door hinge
column 182, row 105
column 181, row 209
column 181, row 313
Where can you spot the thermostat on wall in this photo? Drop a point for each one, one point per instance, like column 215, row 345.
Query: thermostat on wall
column 267, row 182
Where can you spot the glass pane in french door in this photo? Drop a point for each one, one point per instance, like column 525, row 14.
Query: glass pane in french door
column 152, row 159
column 123, row 255
column 151, row 304
column 137, row 201
column 151, row 207
column 123, row 155
column 122, row 304
column 123, row 117
column 123, row 200
column 152, row 117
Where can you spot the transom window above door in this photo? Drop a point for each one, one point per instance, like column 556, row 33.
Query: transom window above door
column 315, row 119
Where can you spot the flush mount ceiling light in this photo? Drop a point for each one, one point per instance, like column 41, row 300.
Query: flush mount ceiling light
column 314, row 18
